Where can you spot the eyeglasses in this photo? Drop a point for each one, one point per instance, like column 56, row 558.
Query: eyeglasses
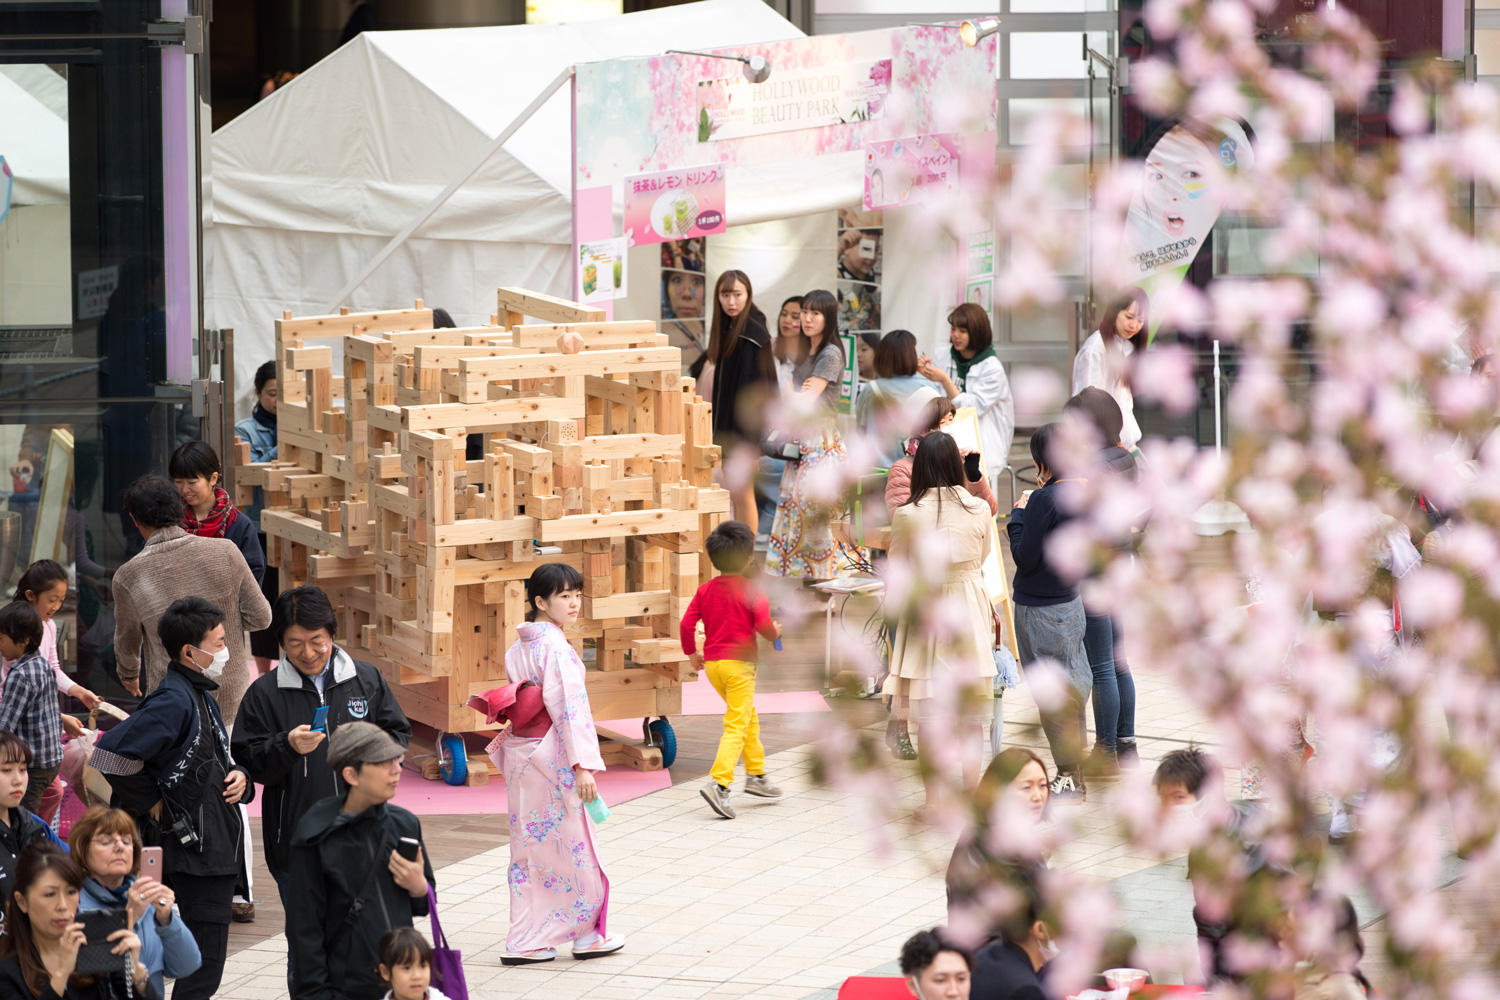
column 114, row 840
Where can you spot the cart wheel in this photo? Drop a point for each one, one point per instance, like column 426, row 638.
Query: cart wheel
column 453, row 759
column 662, row 735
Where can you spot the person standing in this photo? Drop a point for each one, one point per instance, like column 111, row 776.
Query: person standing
column 273, row 735
column 259, row 431
column 744, row 381
column 29, row 708
column 207, row 510
column 891, row 404
column 350, row 881
column 170, row 768
column 558, row 889
column 923, row 658
column 785, row 350
column 172, row 565
column 1049, row 616
column 18, row 827
column 1103, row 359
column 977, row 378
column 802, row 542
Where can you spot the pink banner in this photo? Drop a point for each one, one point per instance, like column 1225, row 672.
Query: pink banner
column 909, row 171
column 674, row 205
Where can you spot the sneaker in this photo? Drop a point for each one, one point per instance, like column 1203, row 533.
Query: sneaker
column 242, row 912
column 717, row 797
column 1067, row 787
column 1127, row 755
column 758, row 785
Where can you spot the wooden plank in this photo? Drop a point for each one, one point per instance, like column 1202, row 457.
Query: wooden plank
column 601, row 448
column 654, row 602
column 594, row 334
column 583, row 364
column 545, row 307
column 495, row 415
column 617, row 525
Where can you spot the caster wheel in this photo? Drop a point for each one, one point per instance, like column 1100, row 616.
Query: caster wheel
column 663, row 736
column 453, row 759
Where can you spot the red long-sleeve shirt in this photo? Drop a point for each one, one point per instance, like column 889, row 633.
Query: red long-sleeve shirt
column 732, row 612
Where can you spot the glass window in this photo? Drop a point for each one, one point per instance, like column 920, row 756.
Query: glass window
column 1052, row 55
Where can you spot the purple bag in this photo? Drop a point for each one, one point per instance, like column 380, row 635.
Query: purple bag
column 447, row 963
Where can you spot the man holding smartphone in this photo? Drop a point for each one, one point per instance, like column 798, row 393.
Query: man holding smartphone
column 170, row 769
column 288, row 715
column 357, row 871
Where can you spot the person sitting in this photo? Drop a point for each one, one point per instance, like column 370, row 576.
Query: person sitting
column 1336, row 976
column 937, row 413
column 1009, row 965
column 106, row 843
column 39, row 951
column 1020, row 776
column 889, row 404
column 936, row 968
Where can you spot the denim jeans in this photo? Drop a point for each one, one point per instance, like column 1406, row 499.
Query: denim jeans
column 1114, row 688
column 767, row 490
column 1055, row 632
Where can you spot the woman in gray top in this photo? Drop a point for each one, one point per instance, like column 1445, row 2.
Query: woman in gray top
column 802, row 542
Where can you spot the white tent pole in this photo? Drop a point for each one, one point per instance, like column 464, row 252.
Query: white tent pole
column 458, row 182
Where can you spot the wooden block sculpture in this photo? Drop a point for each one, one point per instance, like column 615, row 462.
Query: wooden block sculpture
column 594, row 446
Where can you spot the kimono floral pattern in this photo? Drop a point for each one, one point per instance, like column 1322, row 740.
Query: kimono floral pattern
column 558, row 890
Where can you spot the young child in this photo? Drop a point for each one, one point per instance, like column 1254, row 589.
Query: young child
column 732, row 613
column 44, row 586
column 1191, row 780
column 29, row 706
column 406, row 965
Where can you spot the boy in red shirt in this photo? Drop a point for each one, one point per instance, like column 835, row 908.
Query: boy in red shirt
column 732, row 613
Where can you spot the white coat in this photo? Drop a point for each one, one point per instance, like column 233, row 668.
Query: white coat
column 1093, row 368
column 987, row 389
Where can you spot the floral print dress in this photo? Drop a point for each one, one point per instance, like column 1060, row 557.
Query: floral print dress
column 558, row 891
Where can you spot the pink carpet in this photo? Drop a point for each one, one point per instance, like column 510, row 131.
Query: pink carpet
column 436, row 798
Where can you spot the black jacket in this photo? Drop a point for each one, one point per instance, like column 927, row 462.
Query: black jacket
column 24, row 828
column 278, row 702
column 14, row 987
column 744, row 383
column 1002, row 971
column 246, row 535
column 337, row 859
column 174, row 749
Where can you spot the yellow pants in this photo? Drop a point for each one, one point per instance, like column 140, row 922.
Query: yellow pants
column 735, row 682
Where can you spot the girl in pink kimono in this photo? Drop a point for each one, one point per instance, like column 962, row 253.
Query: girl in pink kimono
column 558, row 891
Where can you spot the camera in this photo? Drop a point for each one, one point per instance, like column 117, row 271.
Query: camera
column 185, row 835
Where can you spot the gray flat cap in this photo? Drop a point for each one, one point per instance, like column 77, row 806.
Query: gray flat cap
column 356, row 743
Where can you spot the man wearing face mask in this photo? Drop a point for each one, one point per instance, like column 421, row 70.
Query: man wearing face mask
column 1009, row 965
column 935, row 968
column 170, row 768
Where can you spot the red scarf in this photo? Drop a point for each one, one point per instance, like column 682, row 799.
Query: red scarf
column 218, row 520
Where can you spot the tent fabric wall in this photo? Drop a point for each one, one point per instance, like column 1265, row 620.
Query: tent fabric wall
column 308, row 185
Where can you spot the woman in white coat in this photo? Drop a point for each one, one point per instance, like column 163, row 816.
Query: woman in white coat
column 1104, row 359
column 975, row 377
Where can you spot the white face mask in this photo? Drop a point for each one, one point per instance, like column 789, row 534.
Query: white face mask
column 916, row 989
column 1048, row 948
column 215, row 670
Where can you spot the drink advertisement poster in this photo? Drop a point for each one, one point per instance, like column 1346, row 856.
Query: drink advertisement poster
column 674, row 205
column 601, row 269
column 910, row 171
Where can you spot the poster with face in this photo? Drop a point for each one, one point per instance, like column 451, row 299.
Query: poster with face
column 859, row 307
column 1180, row 198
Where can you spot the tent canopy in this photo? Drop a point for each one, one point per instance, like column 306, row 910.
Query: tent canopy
column 310, row 183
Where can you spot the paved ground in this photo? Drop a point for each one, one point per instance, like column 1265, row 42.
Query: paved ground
column 784, row 902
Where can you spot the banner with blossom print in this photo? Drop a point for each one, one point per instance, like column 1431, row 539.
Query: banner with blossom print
column 733, row 107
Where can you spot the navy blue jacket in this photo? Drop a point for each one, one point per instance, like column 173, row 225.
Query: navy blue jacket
column 1029, row 527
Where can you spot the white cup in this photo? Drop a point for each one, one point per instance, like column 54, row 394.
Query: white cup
column 1125, row 979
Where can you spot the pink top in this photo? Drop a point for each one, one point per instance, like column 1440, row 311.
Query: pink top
column 49, row 652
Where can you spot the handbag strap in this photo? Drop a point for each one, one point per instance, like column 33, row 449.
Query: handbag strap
column 357, row 905
column 439, row 939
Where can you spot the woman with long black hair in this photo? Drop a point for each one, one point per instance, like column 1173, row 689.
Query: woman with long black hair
column 946, row 636
column 744, row 381
column 802, row 542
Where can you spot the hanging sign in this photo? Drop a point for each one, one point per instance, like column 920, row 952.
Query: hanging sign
column 1178, row 202
column 674, row 205
column 601, row 270
column 733, row 107
column 910, row 171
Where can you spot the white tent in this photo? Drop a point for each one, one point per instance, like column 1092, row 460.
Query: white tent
column 310, row 183
column 34, row 239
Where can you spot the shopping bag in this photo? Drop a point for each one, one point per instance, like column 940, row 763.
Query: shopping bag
column 447, row 963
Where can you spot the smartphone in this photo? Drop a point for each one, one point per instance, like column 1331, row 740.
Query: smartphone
column 407, row 848
column 151, row 862
column 320, row 719
column 94, row 957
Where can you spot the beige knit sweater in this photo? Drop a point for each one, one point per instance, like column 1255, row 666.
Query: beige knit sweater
column 174, row 565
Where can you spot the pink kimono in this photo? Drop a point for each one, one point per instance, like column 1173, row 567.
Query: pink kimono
column 558, row 891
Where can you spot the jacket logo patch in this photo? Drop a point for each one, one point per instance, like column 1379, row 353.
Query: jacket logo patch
column 359, row 708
